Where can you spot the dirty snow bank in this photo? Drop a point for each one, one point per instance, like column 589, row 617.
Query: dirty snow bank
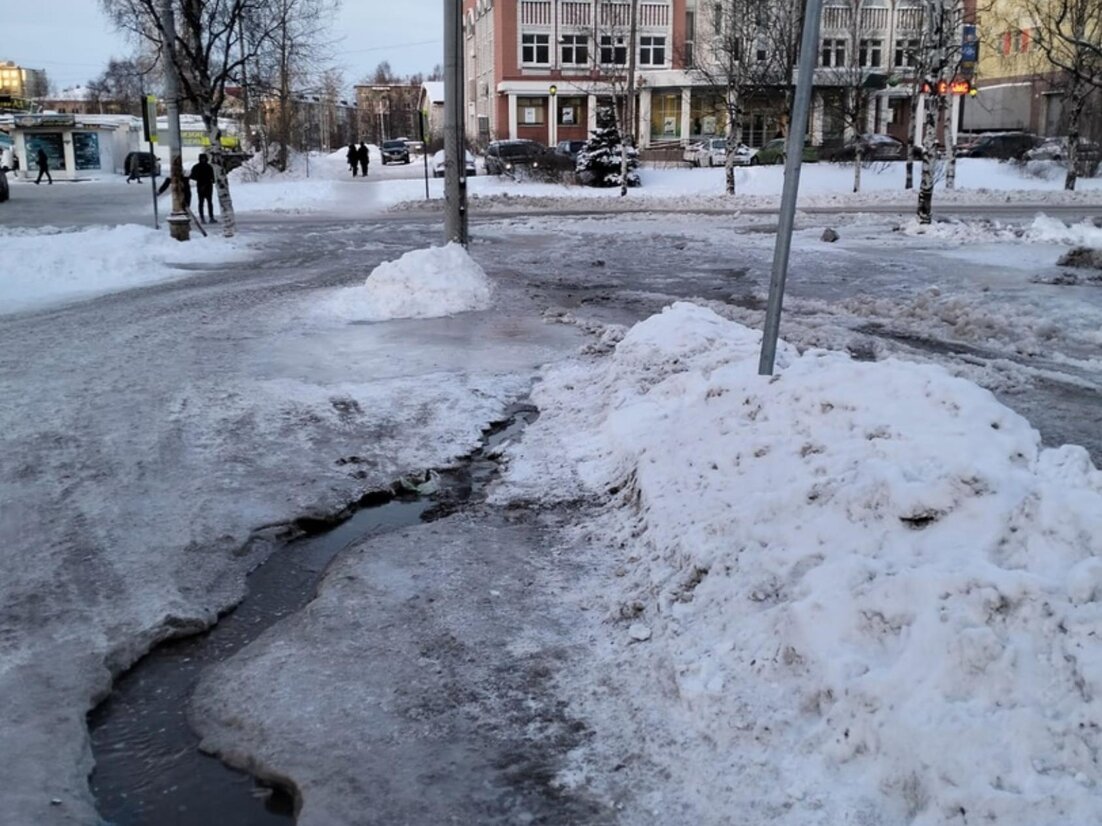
column 52, row 266
column 1043, row 230
column 870, row 595
column 426, row 283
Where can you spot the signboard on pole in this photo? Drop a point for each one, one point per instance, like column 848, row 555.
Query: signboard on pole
column 969, row 51
column 149, row 118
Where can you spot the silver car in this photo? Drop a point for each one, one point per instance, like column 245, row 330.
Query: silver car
column 438, row 164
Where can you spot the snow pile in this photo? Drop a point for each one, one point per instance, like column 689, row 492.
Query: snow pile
column 426, row 283
column 1043, row 230
column 870, row 595
column 52, row 265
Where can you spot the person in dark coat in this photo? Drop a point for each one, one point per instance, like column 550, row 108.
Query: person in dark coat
column 364, row 158
column 203, row 175
column 353, row 158
column 43, row 167
column 134, row 170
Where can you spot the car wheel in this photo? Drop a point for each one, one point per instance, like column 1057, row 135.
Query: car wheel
column 754, row 161
column 711, row 161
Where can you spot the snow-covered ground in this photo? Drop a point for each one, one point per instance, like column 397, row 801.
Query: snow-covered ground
column 52, row 266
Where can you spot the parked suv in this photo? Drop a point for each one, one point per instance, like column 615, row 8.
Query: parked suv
column 147, row 163
column 1005, row 146
column 504, row 157
column 396, row 151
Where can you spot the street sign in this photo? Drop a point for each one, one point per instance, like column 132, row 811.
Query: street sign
column 149, row 118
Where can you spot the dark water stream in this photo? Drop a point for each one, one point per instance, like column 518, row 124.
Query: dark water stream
column 149, row 770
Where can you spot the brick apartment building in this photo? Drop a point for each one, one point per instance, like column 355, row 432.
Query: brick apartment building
column 539, row 69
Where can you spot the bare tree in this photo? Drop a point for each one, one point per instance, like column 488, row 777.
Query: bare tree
column 853, row 61
column 121, row 85
column 740, row 61
column 1068, row 34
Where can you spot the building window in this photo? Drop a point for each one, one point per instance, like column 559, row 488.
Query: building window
column 530, row 111
column 834, row 52
column 869, row 53
column 570, row 111
column 762, row 55
column 535, row 49
column 575, row 49
column 717, row 19
column 690, row 37
column 613, row 50
column 906, row 53
column 652, row 51
column 1025, row 40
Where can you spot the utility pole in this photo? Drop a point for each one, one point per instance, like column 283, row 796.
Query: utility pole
column 809, row 50
column 455, row 166
column 179, row 222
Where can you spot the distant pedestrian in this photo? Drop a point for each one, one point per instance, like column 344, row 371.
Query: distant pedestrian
column 134, row 168
column 353, row 158
column 203, row 175
column 14, row 162
column 43, row 167
column 364, row 157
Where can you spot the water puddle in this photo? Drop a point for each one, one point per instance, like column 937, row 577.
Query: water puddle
column 149, row 769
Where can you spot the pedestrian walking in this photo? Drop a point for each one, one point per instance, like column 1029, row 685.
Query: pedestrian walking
column 353, row 157
column 14, row 162
column 134, row 168
column 203, row 175
column 43, row 167
column 364, row 157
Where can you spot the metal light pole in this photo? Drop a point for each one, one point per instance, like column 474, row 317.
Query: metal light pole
column 455, row 165
column 809, row 50
column 179, row 222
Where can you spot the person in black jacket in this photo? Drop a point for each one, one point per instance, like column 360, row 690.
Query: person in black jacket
column 43, row 167
column 353, row 158
column 203, row 175
column 363, row 157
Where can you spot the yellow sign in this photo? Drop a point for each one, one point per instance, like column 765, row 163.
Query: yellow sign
column 197, row 137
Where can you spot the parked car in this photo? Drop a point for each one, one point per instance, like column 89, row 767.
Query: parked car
column 438, row 164
column 713, row 152
column 873, row 147
column 4, row 193
column 505, row 157
column 147, row 163
column 774, row 152
column 395, row 151
column 1056, row 149
column 569, row 149
column 1006, row 146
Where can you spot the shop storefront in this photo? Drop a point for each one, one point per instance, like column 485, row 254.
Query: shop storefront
column 75, row 146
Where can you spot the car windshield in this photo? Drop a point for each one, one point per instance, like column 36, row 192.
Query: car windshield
column 513, row 150
column 394, row 144
column 719, row 143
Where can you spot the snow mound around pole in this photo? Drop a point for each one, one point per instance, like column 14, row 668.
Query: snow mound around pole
column 868, row 592
column 425, row 283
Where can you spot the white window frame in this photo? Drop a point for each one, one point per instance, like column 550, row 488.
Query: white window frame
column 650, row 47
column 534, row 41
column 570, row 44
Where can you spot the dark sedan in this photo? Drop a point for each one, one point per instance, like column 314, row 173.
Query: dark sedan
column 1006, row 146
column 872, row 147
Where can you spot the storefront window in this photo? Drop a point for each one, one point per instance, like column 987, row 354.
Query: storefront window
column 570, row 111
column 530, row 111
column 665, row 117
column 86, row 150
column 49, row 141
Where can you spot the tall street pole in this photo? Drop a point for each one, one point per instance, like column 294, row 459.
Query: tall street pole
column 179, row 223
column 809, row 50
column 455, row 164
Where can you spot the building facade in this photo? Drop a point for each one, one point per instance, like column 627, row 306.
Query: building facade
column 539, row 69
column 21, row 84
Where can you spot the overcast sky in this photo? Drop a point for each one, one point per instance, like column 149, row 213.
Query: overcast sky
column 72, row 40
